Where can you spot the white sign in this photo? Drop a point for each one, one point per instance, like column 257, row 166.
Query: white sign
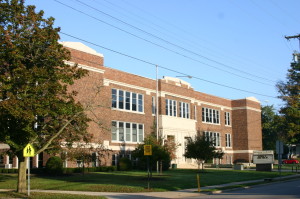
column 263, row 157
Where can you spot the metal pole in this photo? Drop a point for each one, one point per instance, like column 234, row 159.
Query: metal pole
column 28, row 176
column 157, row 113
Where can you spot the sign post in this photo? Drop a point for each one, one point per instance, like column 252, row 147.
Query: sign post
column 28, row 151
column 148, row 152
column 279, row 151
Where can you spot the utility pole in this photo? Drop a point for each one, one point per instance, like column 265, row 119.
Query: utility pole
column 294, row 37
column 295, row 54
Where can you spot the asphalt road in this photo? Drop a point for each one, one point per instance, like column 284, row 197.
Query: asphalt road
column 279, row 190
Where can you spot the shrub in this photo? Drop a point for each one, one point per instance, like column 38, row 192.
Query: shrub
column 54, row 166
column 124, row 164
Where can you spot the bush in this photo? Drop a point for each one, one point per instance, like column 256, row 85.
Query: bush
column 124, row 164
column 54, row 166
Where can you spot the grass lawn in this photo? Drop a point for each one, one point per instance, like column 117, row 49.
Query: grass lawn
column 11, row 194
column 135, row 181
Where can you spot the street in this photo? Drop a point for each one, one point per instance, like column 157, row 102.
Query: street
column 282, row 190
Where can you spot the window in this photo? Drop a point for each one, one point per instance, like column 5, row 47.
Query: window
column 114, row 159
column 114, row 98
column 195, row 112
column 210, row 116
column 140, row 103
column 1, row 160
column 121, row 99
column 153, row 105
column 184, row 110
column 214, row 137
column 128, row 101
column 228, row 140
column 128, row 132
column 227, row 119
column 125, row 100
column 171, row 107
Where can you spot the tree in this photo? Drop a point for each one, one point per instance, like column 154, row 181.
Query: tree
column 159, row 153
column 201, row 149
column 86, row 153
column 270, row 129
column 35, row 105
column 290, row 93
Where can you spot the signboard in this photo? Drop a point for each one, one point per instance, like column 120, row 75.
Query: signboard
column 263, row 157
column 279, row 147
column 28, row 151
column 147, row 149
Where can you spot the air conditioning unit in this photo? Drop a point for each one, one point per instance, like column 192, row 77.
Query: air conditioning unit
column 8, row 166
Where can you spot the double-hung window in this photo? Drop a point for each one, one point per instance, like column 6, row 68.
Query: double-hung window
column 127, row 132
column 213, row 137
column 184, row 110
column 227, row 119
column 171, row 107
column 228, row 140
column 210, row 116
column 125, row 100
column 153, row 105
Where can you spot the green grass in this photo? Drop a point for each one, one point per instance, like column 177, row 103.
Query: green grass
column 135, row 181
column 288, row 167
column 35, row 195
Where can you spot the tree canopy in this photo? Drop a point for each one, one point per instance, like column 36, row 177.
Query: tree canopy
column 290, row 93
column 201, row 149
column 35, row 105
column 270, row 127
column 159, row 153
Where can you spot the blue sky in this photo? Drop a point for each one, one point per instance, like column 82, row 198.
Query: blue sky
column 233, row 49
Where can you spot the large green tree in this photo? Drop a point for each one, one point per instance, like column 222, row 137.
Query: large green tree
column 35, row 105
column 270, row 127
column 289, row 91
column 202, row 149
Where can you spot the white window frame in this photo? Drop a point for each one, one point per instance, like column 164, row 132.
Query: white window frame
column 227, row 119
column 153, row 105
column 139, row 101
column 171, row 107
column 214, row 137
column 228, row 140
column 211, row 116
column 139, row 134
column 184, row 110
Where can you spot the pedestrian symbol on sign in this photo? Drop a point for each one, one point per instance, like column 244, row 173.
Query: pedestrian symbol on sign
column 28, row 151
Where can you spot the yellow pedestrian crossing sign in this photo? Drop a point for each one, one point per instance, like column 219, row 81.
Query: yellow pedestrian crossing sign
column 147, row 149
column 28, row 151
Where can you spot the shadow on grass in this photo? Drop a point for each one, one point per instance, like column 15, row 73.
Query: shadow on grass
column 137, row 181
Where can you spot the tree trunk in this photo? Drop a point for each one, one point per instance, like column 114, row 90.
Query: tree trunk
column 22, row 174
column 160, row 167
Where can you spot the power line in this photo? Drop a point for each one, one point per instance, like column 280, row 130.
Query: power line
column 170, row 43
column 165, row 68
column 262, row 67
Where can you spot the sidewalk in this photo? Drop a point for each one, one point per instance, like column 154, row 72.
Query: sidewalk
column 169, row 194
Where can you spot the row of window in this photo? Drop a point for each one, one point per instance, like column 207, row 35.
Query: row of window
column 210, row 116
column 126, row 131
column 215, row 138
column 125, row 100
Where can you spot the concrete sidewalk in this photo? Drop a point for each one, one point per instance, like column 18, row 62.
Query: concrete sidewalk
column 169, row 194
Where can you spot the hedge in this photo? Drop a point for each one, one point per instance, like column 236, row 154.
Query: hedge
column 65, row 170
